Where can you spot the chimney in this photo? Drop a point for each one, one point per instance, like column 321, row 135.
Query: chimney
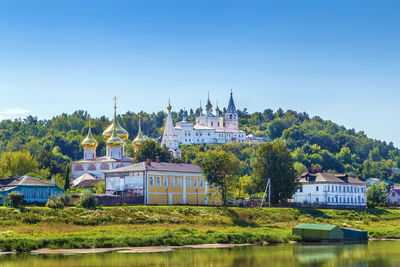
column 317, row 167
column 158, row 159
column 148, row 161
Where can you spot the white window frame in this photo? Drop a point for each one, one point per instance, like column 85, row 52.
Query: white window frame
column 151, row 180
column 158, row 181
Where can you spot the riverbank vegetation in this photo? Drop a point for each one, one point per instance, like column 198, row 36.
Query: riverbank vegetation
column 38, row 227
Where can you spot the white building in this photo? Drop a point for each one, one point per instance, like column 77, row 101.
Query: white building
column 115, row 137
column 332, row 190
column 209, row 128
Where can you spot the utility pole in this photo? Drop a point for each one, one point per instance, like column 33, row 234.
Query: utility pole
column 267, row 187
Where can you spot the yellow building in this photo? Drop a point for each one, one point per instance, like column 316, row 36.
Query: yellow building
column 160, row 183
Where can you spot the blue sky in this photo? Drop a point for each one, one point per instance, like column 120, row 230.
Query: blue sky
column 336, row 59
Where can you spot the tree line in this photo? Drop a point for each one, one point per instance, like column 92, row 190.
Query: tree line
column 53, row 144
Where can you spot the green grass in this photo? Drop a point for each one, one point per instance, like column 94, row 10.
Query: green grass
column 39, row 227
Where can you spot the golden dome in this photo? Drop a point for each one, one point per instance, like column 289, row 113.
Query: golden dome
column 115, row 140
column 169, row 105
column 121, row 132
column 140, row 138
column 89, row 142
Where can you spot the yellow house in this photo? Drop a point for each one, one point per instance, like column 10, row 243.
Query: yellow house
column 160, row 183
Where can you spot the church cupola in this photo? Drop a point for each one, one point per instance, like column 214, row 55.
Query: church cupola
column 217, row 110
column 140, row 138
column 89, row 145
column 231, row 117
column 121, row 132
column 115, row 145
column 209, row 106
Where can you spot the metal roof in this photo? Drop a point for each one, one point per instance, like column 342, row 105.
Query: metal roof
column 314, row 226
column 162, row 166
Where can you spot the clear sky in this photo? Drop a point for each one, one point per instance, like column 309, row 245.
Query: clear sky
column 336, row 59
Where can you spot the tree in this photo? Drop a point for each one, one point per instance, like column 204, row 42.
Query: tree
column 17, row 163
column 275, row 162
column 67, row 175
column 221, row 169
column 100, row 187
column 88, row 200
column 151, row 149
column 376, row 195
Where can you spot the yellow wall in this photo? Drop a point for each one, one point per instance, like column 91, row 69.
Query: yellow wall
column 162, row 195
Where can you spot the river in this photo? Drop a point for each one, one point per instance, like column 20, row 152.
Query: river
column 374, row 253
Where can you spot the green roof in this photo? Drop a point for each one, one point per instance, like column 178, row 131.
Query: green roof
column 314, row 226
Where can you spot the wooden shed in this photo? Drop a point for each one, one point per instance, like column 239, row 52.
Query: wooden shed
column 318, row 232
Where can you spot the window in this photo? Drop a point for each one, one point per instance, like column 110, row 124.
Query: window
column 172, row 181
column 316, row 200
column 165, row 181
column 393, row 194
column 180, row 181
column 336, row 189
column 328, row 188
column 340, row 189
column 158, row 181
column 301, row 189
column 195, row 182
column 189, row 180
column 316, row 189
column 33, row 194
column 26, row 193
column 201, row 182
column 151, row 181
column 329, row 199
column 41, row 194
column 212, row 124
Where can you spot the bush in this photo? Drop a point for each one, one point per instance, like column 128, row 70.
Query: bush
column 59, row 202
column 16, row 199
column 88, row 201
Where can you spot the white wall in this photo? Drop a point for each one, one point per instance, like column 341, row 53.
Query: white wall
column 332, row 194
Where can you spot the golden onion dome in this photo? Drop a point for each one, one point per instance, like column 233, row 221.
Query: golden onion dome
column 169, row 105
column 115, row 140
column 120, row 131
column 140, row 138
column 89, row 142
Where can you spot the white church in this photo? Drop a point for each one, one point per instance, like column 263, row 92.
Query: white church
column 209, row 128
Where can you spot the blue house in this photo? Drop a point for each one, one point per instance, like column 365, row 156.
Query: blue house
column 33, row 189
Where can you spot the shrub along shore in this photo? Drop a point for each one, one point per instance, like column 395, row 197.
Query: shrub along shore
column 132, row 226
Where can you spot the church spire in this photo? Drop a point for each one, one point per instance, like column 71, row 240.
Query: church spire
column 169, row 138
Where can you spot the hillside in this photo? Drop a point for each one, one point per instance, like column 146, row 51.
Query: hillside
column 56, row 142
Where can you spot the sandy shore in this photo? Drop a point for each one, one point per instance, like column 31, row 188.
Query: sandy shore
column 132, row 249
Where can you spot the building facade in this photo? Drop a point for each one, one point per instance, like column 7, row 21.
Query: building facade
column 393, row 197
column 33, row 189
column 209, row 128
column 160, row 183
column 330, row 189
column 115, row 137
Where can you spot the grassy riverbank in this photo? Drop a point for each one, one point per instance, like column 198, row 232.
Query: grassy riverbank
column 149, row 226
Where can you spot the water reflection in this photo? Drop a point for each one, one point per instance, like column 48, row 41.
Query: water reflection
column 318, row 254
column 381, row 254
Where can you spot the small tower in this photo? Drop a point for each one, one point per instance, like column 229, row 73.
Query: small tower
column 231, row 117
column 217, row 111
column 89, row 145
column 200, row 110
column 209, row 106
column 115, row 146
column 169, row 138
column 140, row 138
